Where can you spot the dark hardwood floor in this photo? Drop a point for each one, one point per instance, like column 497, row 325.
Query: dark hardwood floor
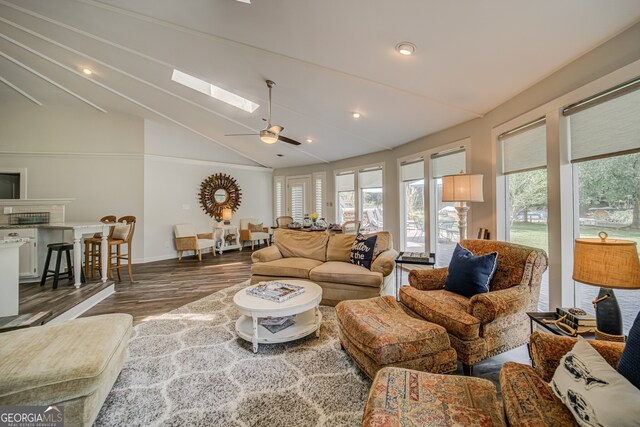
column 162, row 286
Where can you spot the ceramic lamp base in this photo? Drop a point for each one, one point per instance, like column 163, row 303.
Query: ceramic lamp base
column 608, row 315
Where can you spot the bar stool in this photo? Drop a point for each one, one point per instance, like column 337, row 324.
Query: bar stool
column 92, row 247
column 60, row 248
column 121, row 235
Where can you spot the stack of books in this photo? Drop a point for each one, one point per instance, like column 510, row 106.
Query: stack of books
column 275, row 291
column 577, row 319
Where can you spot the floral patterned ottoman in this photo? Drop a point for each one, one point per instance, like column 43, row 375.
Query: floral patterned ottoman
column 377, row 332
column 403, row 397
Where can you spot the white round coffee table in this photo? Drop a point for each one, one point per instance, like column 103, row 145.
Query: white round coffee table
column 304, row 307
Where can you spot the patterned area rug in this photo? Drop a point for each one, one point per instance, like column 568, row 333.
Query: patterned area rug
column 188, row 368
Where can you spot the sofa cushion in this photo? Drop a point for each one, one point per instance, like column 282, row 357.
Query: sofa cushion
column 285, row 267
column 443, row 308
column 528, row 400
column 588, row 385
column 469, row 274
column 60, row 362
column 362, row 250
column 339, row 247
column 255, row 227
column 403, row 397
column 383, row 242
column 292, row 243
column 629, row 365
column 344, row 272
column 382, row 330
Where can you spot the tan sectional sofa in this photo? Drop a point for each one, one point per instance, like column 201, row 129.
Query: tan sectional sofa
column 325, row 259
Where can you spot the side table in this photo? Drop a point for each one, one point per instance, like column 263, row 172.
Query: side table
column 400, row 260
column 220, row 232
column 538, row 317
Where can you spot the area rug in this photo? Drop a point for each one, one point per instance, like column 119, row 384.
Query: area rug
column 188, row 368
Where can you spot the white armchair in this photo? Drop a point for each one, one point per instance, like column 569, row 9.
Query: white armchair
column 188, row 240
column 253, row 235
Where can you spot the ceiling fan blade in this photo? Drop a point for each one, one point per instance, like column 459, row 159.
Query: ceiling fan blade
column 288, row 140
column 241, row 134
column 275, row 129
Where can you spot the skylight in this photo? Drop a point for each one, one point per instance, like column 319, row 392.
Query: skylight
column 214, row 91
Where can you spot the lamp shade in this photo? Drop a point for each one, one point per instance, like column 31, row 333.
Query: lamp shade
column 462, row 188
column 610, row 263
column 227, row 214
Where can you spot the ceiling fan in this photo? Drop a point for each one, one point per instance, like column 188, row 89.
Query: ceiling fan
column 270, row 134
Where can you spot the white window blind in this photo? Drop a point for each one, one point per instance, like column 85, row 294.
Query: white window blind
column 318, row 187
column 279, row 208
column 412, row 171
column 345, row 182
column 448, row 163
column 370, row 178
column 297, row 202
column 524, row 148
column 611, row 127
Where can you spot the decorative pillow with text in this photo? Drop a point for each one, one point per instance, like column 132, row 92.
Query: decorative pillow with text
column 362, row 250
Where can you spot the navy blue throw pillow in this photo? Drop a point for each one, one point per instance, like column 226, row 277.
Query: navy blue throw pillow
column 629, row 365
column 469, row 274
column 362, row 250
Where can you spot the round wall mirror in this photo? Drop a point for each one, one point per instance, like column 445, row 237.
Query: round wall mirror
column 220, row 195
column 217, row 192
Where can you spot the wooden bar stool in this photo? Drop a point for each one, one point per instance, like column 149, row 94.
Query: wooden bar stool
column 121, row 234
column 60, row 248
column 92, row 250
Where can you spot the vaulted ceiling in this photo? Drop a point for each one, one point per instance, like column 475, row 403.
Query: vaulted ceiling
column 328, row 58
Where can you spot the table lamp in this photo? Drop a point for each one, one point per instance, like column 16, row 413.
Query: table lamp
column 227, row 213
column 462, row 188
column 608, row 263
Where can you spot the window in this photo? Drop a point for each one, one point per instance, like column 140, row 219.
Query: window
column 444, row 230
column 318, row 193
column 278, row 196
column 299, row 197
column 346, row 197
column 524, row 161
column 604, row 136
column 412, row 205
column 370, row 185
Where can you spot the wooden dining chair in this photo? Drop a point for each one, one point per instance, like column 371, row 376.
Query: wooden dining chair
column 121, row 234
column 92, row 249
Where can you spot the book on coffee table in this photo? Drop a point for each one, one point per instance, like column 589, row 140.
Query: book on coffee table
column 277, row 324
column 275, row 291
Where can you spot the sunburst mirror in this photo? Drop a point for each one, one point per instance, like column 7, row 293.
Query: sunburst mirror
column 217, row 192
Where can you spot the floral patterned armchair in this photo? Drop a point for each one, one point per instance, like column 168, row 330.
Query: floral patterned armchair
column 486, row 324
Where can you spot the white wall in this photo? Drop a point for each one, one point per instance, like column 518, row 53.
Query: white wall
column 79, row 153
column 172, row 183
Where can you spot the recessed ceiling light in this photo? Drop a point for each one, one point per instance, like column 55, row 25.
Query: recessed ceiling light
column 355, row 115
column 309, row 140
column 87, row 71
column 406, row 48
column 214, row 91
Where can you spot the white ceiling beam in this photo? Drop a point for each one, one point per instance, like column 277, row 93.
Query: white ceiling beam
column 20, row 91
column 48, row 80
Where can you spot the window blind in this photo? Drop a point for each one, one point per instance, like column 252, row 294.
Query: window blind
column 448, row 163
column 345, row 182
column 606, row 128
column 318, row 195
column 412, row 171
column 278, row 198
column 524, row 148
column 370, row 178
column 297, row 202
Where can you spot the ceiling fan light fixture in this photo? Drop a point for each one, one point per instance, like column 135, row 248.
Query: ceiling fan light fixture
column 406, row 48
column 268, row 137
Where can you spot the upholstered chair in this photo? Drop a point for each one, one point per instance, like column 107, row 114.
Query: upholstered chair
column 251, row 230
column 351, row 227
column 486, row 324
column 188, row 240
column 283, row 221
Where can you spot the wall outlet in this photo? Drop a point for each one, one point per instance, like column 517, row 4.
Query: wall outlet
column 8, row 210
